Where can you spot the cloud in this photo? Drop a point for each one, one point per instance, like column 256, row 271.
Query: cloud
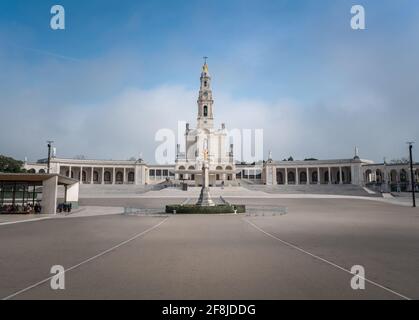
column 126, row 124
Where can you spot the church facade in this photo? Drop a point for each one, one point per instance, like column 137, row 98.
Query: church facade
column 205, row 137
column 223, row 170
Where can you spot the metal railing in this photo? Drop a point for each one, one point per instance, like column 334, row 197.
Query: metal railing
column 262, row 211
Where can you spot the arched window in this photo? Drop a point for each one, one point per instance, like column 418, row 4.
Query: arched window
column 119, row 177
column 42, row 171
column 31, row 171
column 205, row 83
column 84, row 176
column 107, row 176
column 95, row 176
column 314, row 177
column 403, row 176
column 393, row 176
column 303, row 177
column 291, row 177
column 279, row 177
column 205, row 111
column 378, row 176
column 131, row 176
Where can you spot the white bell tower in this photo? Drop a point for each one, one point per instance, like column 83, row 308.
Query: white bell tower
column 205, row 101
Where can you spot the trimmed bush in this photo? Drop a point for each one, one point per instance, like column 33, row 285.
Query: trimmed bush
column 194, row 209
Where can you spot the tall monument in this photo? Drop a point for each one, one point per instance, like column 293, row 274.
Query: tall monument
column 205, row 197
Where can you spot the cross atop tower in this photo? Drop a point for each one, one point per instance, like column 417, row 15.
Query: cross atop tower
column 205, row 60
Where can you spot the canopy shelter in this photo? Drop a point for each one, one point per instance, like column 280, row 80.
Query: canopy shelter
column 18, row 190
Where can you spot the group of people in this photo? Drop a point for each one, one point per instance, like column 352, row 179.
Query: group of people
column 66, row 207
column 28, row 208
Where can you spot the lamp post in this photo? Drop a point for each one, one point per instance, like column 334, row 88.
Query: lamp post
column 412, row 175
column 49, row 155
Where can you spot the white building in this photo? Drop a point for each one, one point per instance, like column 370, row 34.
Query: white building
column 223, row 169
column 205, row 137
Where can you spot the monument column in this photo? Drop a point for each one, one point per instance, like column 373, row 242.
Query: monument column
column 205, row 197
column 286, row 175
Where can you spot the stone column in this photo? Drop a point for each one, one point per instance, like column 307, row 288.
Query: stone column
column 113, row 175
column 91, row 175
column 103, row 175
column 274, row 178
column 318, row 176
column 49, row 195
column 340, row 176
column 329, row 175
column 81, row 175
column 123, row 178
column 308, row 176
column 297, row 178
column 286, row 176
column 69, row 171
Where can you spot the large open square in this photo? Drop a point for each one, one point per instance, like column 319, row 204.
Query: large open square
column 223, row 153
column 306, row 253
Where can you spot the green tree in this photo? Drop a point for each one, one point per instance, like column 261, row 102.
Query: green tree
column 10, row 165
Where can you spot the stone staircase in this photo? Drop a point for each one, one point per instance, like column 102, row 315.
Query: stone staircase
column 334, row 189
column 87, row 190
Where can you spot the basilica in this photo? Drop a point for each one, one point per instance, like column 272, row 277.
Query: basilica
column 223, row 169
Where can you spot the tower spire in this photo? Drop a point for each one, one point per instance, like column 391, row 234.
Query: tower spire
column 205, row 66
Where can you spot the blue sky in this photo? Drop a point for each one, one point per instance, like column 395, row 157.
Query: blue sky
column 294, row 68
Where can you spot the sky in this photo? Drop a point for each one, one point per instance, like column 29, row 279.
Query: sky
column 122, row 70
